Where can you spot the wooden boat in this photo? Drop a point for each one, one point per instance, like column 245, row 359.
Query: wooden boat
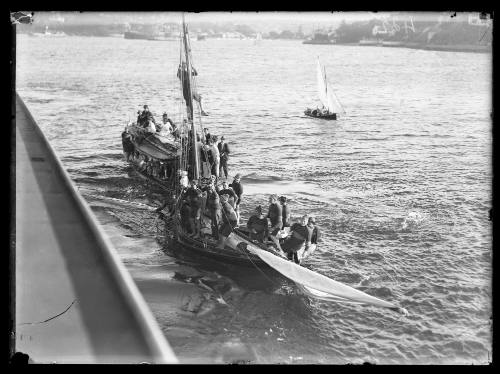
column 331, row 105
column 317, row 113
column 233, row 253
column 153, row 155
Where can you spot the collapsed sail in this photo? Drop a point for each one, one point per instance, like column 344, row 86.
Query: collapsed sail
column 318, row 285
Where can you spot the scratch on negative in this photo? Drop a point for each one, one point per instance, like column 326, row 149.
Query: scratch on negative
column 51, row 318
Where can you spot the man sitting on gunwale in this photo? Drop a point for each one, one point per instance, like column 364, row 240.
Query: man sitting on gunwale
column 145, row 117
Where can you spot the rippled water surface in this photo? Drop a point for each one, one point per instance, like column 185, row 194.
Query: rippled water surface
column 400, row 185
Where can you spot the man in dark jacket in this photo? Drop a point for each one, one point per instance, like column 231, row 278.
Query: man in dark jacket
column 300, row 234
column 224, row 156
column 186, row 217
column 315, row 236
column 206, row 133
column 128, row 146
column 193, row 194
column 286, row 212
column 275, row 216
column 214, row 210
column 258, row 225
column 145, row 117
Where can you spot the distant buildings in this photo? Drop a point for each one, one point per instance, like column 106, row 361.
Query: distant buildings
column 394, row 29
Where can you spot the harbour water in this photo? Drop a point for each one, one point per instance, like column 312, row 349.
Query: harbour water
column 400, row 186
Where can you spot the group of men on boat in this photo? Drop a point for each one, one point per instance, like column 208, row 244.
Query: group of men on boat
column 159, row 169
column 220, row 205
column 296, row 240
column 318, row 112
column 215, row 155
column 167, row 127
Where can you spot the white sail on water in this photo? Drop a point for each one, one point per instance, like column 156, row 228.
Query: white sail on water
column 333, row 103
column 318, row 285
column 321, row 86
column 326, row 93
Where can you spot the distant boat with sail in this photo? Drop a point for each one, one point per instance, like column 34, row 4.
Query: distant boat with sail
column 331, row 106
column 258, row 38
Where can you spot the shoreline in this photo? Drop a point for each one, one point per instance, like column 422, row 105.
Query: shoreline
column 429, row 47
column 412, row 45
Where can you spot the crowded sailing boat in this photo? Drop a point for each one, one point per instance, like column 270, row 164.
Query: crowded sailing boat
column 331, row 106
column 202, row 214
column 153, row 148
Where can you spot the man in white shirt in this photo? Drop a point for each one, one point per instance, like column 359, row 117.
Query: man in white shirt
column 216, row 157
column 167, row 123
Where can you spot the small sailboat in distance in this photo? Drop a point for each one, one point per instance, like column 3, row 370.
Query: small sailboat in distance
column 331, row 104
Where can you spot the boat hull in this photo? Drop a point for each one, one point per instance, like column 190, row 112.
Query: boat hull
column 332, row 116
column 151, row 159
column 166, row 185
column 319, row 42
column 135, row 35
column 207, row 247
column 151, row 145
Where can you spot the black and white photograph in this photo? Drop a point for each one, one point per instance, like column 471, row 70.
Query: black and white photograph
column 251, row 187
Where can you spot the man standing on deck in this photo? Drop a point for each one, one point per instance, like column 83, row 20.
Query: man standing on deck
column 193, row 194
column 230, row 192
column 185, row 213
column 286, row 212
column 214, row 210
column 275, row 216
column 167, row 124
column 216, row 157
column 206, row 133
column 145, row 117
column 238, row 189
column 224, row 156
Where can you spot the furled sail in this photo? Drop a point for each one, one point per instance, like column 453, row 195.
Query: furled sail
column 316, row 284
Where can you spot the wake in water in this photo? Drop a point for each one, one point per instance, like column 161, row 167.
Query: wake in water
column 413, row 219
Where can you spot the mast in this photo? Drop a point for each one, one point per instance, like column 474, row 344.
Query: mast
column 189, row 99
column 189, row 102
